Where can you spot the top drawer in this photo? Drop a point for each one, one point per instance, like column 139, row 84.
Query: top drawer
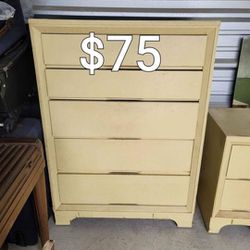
column 239, row 163
column 177, row 51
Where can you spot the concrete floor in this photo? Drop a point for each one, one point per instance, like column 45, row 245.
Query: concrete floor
column 117, row 234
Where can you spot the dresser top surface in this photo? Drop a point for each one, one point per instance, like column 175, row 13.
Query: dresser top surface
column 102, row 21
column 119, row 26
column 232, row 121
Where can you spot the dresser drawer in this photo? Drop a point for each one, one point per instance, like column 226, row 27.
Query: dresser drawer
column 239, row 163
column 236, row 195
column 146, row 120
column 133, row 156
column 123, row 189
column 128, row 84
column 177, row 51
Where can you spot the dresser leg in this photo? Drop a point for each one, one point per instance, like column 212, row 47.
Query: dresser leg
column 184, row 220
column 64, row 217
column 40, row 198
column 215, row 224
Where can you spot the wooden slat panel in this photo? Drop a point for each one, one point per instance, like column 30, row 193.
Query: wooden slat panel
column 7, row 154
column 136, row 156
column 14, row 175
column 129, row 84
column 123, row 189
column 177, row 51
column 236, row 195
column 10, row 160
column 14, row 190
column 15, row 166
column 20, row 198
column 18, row 175
column 147, row 120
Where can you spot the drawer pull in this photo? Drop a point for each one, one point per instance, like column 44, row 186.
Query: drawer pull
column 122, row 204
column 122, row 138
column 123, row 173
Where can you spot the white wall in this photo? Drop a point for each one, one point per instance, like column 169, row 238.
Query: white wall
column 234, row 14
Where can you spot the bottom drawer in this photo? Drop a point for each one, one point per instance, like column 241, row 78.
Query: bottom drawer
column 236, row 195
column 123, row 189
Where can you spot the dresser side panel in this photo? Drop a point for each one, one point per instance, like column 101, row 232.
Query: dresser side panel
column 45, row 113
column 212, row 35
column 210, row 169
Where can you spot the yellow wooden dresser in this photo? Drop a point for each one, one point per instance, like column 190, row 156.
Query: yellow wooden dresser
column 225, row 176
column 124, row 144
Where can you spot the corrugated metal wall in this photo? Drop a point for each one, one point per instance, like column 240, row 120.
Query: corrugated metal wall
column 235, row 17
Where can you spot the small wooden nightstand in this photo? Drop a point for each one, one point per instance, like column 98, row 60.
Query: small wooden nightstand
column 22, row 172
column 224, row 188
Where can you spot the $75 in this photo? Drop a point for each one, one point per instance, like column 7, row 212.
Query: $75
column 96, row 59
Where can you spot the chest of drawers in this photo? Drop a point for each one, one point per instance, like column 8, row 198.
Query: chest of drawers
column 225, row 177
column 124, row 144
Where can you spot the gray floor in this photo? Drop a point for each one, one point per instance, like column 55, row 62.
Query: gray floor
column 117, row 234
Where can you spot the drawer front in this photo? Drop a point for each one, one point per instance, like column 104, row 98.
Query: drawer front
column 129, row 84
column 239, row 163
column 123, row 189
column 236, row 195
column 146, row 120
column 133, row 156
column 177, row 51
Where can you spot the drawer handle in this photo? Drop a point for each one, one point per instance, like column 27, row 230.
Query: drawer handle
column 123, row 173
column 122, row 138
column 124, row 204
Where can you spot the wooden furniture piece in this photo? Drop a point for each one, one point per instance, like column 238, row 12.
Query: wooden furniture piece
column 225, row 176
column 49, row 245
column 124, row 144
column 21, row 172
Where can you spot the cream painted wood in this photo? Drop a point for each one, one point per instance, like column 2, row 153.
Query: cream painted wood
column 229, row 218
column 92, row 119
column 224, row 184
column 44, row 107
column 63, row 217
column 130, row 208
column 235, row 214
column 128, row 84
column 216, row 223
column 72, row 26
column 210, row 171
column 176, row 51
column 201, row 122
column 178, row 128
column 124, row 156
column 234, row 127
column 239, row 163
column 123, row 189
column 236, row 195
